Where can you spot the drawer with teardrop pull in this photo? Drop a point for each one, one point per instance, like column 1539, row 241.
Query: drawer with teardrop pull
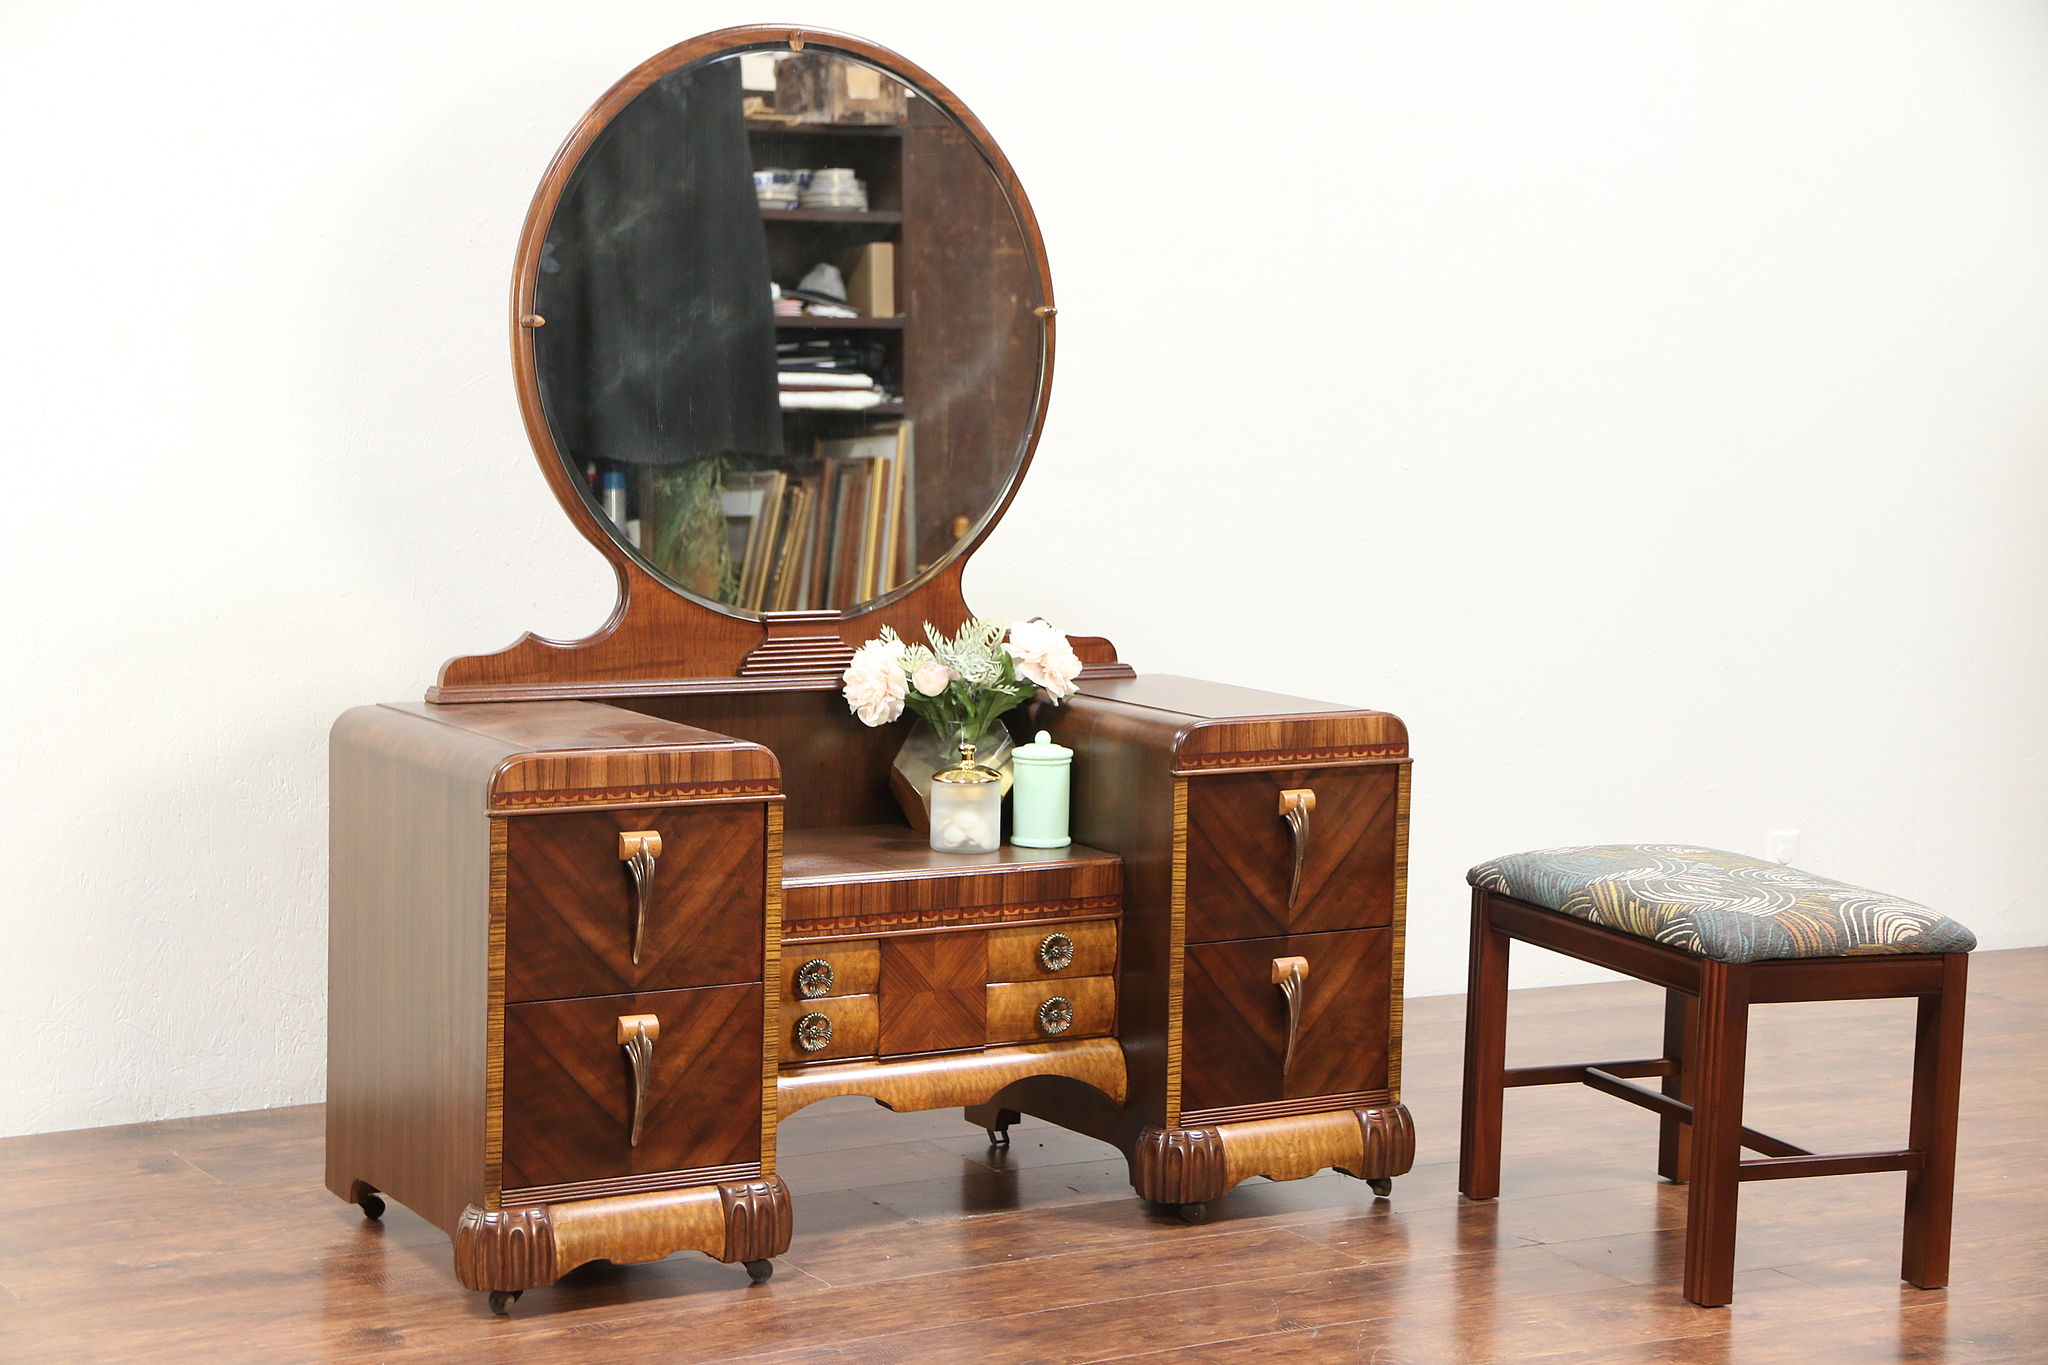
column 629, row 1085
column 1039, row 1011
column 604, row 902
column 1286, row 1018
column 1300, row 851
column 829, row 1029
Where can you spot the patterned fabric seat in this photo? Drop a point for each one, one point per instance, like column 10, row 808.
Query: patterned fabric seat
column 1719, row 905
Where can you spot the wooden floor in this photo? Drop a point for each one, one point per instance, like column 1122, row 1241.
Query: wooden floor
column 211, row 1239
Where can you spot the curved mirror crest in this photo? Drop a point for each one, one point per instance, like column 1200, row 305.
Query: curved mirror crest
column 788, row 351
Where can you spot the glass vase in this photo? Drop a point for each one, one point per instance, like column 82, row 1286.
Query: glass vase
column 924, row 753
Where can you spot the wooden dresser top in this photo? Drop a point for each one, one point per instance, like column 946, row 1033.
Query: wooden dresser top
column 578, row 753
column 1232, row 728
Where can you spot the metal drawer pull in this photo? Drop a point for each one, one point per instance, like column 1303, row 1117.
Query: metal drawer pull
column 814, row 979
column 1056, row 953
column 1056, row 1015
column 1295, row 804
column 814, row 1032
column 1288, row 974
column 637, row 1033
column 638, row 850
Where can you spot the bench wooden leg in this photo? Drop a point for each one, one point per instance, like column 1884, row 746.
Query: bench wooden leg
column 1674, row 1136
column 1937, row 1092
column 1719, row 1054
column 1486, row 1041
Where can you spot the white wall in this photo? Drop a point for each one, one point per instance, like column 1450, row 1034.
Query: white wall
column 1645, row 401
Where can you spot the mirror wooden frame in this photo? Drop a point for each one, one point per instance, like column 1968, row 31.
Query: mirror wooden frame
column 659, row 640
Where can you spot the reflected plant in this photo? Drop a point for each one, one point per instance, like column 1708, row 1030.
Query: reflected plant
column 686, row 535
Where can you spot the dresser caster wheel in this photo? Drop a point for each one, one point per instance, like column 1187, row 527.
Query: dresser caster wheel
column 503, row 1299
column 1193, row 1213
column 372, row 1207
column 999, row 1134
column 759, row 1271
column 998, row 1137
column 1382, row 1185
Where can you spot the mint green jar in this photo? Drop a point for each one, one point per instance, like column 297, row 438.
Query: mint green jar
column 1039, row 801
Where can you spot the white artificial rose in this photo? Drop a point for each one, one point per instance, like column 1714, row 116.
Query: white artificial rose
column 1044, row 657
column 931, row 678
column 875, row 683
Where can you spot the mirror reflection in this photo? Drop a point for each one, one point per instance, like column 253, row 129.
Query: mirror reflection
column 788, row 348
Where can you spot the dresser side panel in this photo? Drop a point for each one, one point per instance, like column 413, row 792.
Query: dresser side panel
column 1124, row 802
column 409, row 969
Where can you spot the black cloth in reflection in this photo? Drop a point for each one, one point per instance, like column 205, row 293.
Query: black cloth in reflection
column 659, row 344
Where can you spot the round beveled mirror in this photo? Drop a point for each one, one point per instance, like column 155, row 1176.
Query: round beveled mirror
column 783, row 325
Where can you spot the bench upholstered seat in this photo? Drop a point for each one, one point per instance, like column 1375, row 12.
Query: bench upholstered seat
column 1717, row 904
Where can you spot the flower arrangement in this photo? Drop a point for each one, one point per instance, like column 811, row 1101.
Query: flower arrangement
column 962, row 684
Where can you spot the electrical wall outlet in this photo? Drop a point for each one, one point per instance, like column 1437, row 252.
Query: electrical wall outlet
column 1781, row 845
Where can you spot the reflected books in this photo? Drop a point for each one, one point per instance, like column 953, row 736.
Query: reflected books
column 842, row 535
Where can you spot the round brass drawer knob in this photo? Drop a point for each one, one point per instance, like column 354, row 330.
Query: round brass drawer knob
column 1056, row 953
column 813, row 1032
column 814, row 979
column 1056, row 1015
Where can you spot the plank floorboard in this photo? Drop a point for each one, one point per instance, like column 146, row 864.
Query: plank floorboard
column 211, row 1238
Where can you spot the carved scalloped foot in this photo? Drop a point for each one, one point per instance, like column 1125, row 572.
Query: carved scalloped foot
column 504, row 1250
column 758, row 1221
column 1179, row 1165
column 1389, row 1144
column 1195, row 1165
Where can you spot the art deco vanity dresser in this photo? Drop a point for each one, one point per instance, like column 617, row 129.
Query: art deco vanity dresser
column 605, row 912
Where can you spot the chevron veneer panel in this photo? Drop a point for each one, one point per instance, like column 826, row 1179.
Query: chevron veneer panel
column 934, row 992
column 569, row 1086
column 1235, row 1032
column 1241, row 852
column 570, row 901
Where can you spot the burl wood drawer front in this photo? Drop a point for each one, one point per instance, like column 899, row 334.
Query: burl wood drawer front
column 814, row 971
column 571, row 902
column 934, row 992
column 829, row 1030
column 1241, row 853
column 1034, row 952
column 1040, row 1011
column 570, row 1093
column 1235, row 1019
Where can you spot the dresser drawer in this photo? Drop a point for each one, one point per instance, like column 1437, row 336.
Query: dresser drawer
column 1037, row 952
column 1242, row 852
column 829, row 1030
column 1038, row 1011
column 572, row 904
column 571, row 1096
column 1235, row 1020
column 814, row 971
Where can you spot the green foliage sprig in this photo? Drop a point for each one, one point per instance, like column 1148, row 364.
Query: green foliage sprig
column 983, row 682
